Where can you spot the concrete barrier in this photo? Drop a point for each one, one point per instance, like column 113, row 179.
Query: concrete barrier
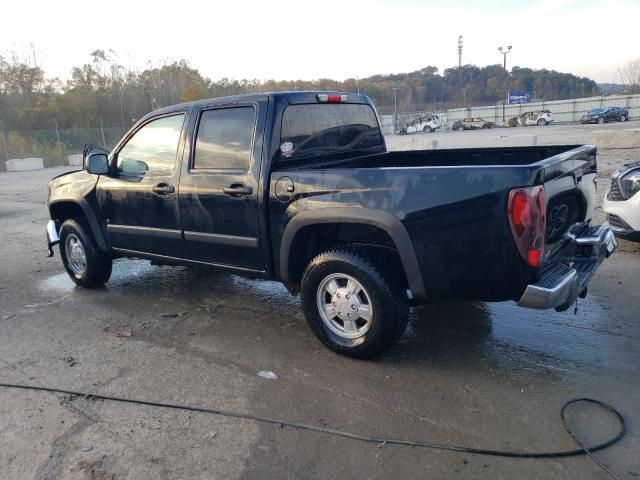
column 628, row 138
column 75, row 160
column 24, row 164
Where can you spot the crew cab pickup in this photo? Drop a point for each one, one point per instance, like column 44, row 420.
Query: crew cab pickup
column 299, row 187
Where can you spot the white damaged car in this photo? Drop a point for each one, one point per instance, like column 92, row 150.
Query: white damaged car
column 424, row 124
column 622, row 202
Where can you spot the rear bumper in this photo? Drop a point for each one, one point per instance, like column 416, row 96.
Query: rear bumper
column 566, row 278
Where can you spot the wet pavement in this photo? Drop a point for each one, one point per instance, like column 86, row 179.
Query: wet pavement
column 475, row 374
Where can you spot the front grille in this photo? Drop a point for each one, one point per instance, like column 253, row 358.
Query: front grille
column 617, row 222
column 615, row 194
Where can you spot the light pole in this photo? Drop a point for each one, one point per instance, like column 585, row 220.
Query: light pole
column 460, row 61
column 504, row 53
column 395, row 110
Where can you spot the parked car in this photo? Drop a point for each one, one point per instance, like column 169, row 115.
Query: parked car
column 424, row 124
column 299, row 187
column 538, row 117
column 622, row 202
column 472, row 124
column 603, row 115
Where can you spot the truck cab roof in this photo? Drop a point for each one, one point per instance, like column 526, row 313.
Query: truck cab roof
column 289, row 97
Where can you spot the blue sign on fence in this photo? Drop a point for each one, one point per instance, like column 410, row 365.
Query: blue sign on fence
column 521, row 96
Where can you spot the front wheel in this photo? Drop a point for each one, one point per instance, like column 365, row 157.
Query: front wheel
column 353, row 308
column 623, row 118
column 542, row 122
column 87, row 266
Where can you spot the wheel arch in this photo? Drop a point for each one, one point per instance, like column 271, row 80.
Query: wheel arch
column 294, row 238
column 71, row 207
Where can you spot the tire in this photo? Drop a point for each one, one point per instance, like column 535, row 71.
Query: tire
column 427, row 129
column 87, row 266
column 542, row 122
column 622, row 118
column 601, row 121
column 460, row 129
column 379, row 294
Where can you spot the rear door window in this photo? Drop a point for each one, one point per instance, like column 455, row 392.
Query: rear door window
column 324, row 129
column 224, row 139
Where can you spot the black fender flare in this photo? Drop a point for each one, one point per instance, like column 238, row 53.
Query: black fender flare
column 378, row 218
column 89, row 214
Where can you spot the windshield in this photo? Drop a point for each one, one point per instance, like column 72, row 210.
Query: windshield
column 323, row 129
column 596, row 110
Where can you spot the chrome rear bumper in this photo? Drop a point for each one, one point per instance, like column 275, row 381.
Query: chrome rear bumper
column 566, row 278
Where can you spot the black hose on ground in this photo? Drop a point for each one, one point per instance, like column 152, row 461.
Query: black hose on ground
column 583, row 450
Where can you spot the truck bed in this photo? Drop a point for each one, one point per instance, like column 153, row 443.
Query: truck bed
column 446, row 157
column 453, row 204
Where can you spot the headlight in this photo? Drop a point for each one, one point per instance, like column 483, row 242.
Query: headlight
column 630, row 183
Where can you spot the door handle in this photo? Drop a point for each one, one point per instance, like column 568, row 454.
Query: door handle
column 163, row 189
column 237, row 190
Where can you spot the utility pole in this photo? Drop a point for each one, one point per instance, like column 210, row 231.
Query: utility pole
column 460, row 61
column 395, row 110
column 358, row 84
column 504, row 53
column 104, row 142
column 4, row 141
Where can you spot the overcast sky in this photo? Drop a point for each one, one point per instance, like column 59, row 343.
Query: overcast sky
column 327, row 38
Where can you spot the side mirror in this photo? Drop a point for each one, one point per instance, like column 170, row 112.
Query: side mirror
column 98, row 164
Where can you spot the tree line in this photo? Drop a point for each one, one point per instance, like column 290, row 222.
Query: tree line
column 102, row 93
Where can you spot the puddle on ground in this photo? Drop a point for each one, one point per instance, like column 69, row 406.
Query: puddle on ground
column 499, row 333
column 123, row 271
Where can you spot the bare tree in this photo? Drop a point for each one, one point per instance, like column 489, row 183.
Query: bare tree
column 629, row 75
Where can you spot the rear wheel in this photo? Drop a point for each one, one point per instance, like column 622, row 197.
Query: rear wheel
column 87, row 266
column 352, row 307
column 561, row 214
column 601, row 120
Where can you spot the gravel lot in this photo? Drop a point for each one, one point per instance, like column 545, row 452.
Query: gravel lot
column 476, row 374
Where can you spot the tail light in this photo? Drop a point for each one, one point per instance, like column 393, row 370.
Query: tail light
column 324, row 98
column 527, row 218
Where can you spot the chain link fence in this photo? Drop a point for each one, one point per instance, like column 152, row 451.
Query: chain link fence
column 54, row 145
column 563, row 111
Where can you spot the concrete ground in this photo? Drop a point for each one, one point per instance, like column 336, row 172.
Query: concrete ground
column 502, row 137
column 476, row 374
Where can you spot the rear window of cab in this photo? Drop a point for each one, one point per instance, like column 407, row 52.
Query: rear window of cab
column 311, row 130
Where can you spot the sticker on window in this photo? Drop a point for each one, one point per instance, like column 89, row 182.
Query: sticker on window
column 286, row 149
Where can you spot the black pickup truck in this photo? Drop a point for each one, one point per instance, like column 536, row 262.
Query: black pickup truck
column 299, row 187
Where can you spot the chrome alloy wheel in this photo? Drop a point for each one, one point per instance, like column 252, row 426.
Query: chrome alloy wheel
column 344, row 306
column 76, row 256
